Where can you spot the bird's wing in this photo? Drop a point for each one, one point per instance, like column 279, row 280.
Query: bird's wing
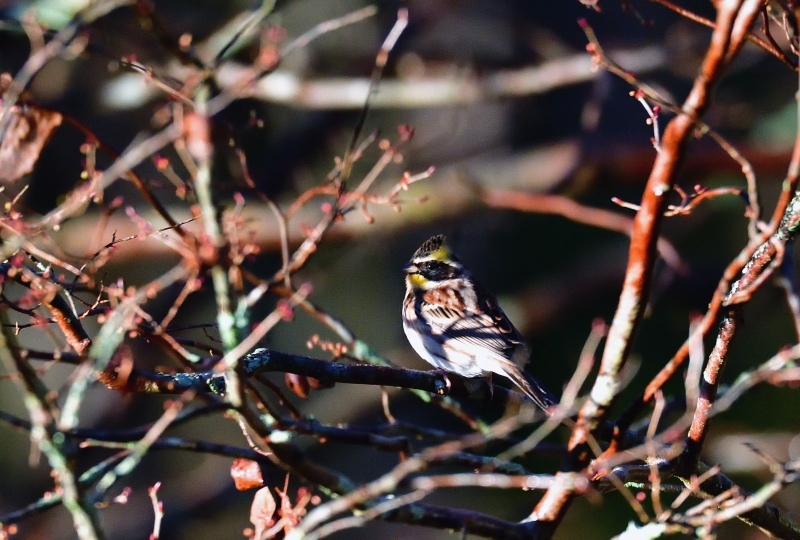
column 470, row 327
column 531, row 387
column 480, row 329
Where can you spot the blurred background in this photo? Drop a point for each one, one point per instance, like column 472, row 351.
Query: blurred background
column 502, row 95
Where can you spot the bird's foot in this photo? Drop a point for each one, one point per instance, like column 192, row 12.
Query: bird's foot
column 448, row 383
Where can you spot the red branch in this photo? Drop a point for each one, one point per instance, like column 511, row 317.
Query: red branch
column 732, row 15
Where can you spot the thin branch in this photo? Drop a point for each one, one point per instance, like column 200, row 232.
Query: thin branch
column 636, row 287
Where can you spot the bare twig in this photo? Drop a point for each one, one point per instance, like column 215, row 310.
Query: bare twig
column 642, row 250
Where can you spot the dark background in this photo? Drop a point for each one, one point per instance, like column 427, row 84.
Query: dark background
column 553, row 277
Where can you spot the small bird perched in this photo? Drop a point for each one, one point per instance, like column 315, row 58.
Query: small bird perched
column 456, row 324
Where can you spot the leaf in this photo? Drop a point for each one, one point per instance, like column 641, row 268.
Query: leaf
column 298, row 384
column 246, row 474
column 29, row 129
column 262, row 510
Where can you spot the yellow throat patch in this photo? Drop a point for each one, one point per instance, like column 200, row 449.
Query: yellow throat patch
column 418, row 281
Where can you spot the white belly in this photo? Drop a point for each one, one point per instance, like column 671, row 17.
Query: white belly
column 432, row 352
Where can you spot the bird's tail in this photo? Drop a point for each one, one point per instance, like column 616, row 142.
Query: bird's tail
column 532, row 388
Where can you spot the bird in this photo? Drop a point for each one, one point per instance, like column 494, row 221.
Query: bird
column 454, row 323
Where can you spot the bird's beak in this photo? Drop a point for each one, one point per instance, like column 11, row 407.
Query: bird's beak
column 410, row 268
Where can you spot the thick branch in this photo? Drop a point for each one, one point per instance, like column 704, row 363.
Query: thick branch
column 633, row 299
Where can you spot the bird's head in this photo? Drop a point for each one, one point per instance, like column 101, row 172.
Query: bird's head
column 432, row 264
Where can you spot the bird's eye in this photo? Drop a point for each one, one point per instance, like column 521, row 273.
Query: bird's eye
column 436, row 270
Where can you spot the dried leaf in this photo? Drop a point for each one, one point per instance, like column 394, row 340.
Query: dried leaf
column 297, row 384
column 262, row 510
column 316, row 384
column 28, row 130
column 246, row 474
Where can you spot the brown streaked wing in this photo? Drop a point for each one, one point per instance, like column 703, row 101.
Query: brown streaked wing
column 446, row 298
column 468, row 329
column 488, row 304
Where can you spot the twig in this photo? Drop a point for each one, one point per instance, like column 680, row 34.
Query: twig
column 644, row 90
column 108, row 339
column 433, row 91
column 580, row 213
column 158, row 510
column 635, row 290
column 83, row 514
column 768, row 46
column 53, row 48
column 134, row 457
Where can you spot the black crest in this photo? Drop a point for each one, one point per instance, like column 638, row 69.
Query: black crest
column 432, row 245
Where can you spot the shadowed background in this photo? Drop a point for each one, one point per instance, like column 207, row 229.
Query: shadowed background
column 571, row 131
